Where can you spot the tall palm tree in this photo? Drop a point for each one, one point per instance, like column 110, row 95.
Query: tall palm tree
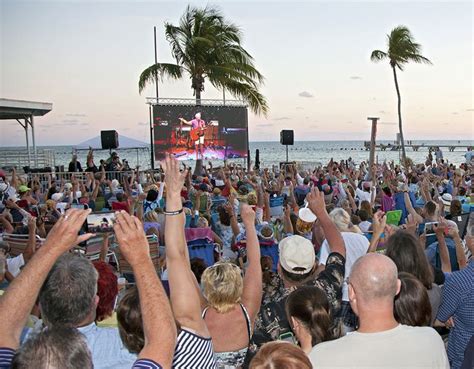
column 206, row 46
column 402, row 49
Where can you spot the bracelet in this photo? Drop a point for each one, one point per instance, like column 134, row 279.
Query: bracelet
column 176, row 212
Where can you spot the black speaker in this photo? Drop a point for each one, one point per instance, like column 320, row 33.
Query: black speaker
column 109, row 139
column 286, row 137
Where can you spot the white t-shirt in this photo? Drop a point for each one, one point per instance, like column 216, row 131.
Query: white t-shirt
column 14, row 265
column 356, row 246
column 365, row 226
column 400, row 347
column 363, row 195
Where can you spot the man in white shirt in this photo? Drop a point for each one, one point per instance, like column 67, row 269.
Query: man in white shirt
column 356, row 246
column 381, row 341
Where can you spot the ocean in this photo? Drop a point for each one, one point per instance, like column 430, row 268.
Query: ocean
column 308, row 153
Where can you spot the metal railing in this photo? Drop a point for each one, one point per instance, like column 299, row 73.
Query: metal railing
column 20, row 159
column 204, row 102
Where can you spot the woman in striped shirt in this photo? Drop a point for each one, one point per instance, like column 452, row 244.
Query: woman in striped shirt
column 194, row 344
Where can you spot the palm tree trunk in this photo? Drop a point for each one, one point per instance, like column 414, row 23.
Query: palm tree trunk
column 400, row 127
column 198, row 97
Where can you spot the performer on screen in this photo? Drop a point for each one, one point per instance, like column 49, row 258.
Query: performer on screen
column 197, row 133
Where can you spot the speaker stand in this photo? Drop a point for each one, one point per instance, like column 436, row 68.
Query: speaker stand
column 286, row 153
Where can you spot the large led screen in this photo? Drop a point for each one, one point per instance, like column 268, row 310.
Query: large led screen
column 200, row 132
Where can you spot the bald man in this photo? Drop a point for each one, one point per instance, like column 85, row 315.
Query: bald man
column 381, row 341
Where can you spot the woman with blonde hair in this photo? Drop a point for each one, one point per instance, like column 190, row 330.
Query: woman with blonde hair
column 342, row 219
column 233, row 301
column 280, row 355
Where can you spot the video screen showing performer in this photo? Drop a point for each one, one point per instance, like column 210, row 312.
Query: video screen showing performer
column 205, row 132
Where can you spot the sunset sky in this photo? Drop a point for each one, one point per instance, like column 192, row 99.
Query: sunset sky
column 85, row 57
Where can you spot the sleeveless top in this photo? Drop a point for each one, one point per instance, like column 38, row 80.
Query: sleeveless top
column 193, row 352
column 233, row 359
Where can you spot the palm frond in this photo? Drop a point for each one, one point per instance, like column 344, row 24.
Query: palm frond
column 248, row 93
column 159, row 70
column 378, row 55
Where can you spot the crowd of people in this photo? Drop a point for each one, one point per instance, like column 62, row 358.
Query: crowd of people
column 345, row 265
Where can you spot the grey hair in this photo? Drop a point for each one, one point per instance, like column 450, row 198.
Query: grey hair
column 342, row 220
column 67, row 295
column 54, row 349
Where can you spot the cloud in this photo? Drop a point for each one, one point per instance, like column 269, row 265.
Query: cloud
column 142, row 124
column 313, row 126
column 454, row 113
column 84, row 124
column 70, row 122
column 470, row 109
column 355, row 77
column 75, row 115
column 382, row 112
column 305, row 94
column 299, row 108
column 266, row 125
column 281, row 118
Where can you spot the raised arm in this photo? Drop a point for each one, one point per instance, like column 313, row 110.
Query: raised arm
column 460, row 255
column 443, row 248
column 333, row 236
column 252, row 292
column 229, row 208
column 19, row 298
column 185, row 295
column 378, row 227
column 159, row 327
column 416, row 217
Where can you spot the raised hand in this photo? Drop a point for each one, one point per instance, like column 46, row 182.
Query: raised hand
column 411, row 225
column 316, row 202
column 379, row 223
column 64, row 234
column 248, row 215
column 131, row 238
column 174, row 178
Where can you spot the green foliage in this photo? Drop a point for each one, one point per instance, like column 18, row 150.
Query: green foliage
column 402, row 49
column 206, row 46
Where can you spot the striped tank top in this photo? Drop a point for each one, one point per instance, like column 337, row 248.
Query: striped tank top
column 193, row 352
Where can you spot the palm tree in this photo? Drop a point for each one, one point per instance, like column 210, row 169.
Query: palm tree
column 402, row 49
column 206, row 46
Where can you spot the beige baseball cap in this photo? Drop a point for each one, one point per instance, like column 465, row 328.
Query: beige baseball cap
column 296, row 254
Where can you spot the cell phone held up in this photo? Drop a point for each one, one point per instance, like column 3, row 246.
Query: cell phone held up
column 100, row 222
column 430, row 228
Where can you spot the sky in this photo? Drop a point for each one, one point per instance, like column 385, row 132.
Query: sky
column 85, row 57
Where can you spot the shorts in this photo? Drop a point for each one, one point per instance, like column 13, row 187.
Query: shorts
column 200, row 141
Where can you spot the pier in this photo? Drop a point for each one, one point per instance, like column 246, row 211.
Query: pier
column 416, row 147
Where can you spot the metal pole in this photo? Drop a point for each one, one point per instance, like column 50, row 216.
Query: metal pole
column 156, row 62
column 373, row 135
column 27, row 142
column 287, row 153
column 152, row 150
column 223, row 95
column 32, row 123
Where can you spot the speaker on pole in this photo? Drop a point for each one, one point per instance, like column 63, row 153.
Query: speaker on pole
column 109, row 139
column 257, row 159
column 287, row 137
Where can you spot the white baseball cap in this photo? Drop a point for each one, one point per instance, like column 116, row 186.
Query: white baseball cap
column 296, row 254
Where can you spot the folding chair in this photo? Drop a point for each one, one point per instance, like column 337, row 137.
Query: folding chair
column 201, row 244
column 19, row 242
column 125, row 268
